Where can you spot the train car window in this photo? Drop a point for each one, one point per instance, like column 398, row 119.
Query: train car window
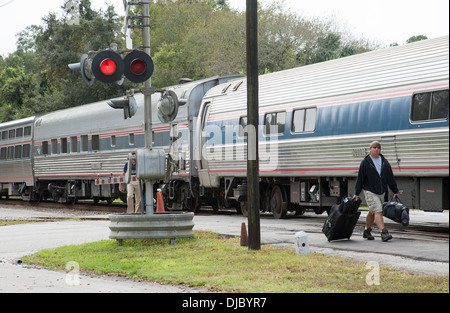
column 4, row 135
column 310, row 120
column 12, row 133
column 298, row 121
column 131, row 139
column 3, row 153
column 430, row 106
column 54, row 146
column 439, row 105
column 45, row 150
column 113, row 141
column 304, row 120
column 10, row 153
column 95, row 142
column 19, row 132
column 64, row 146
column 242, row 125
column 27, row 131
column 18, row 152
column 74, row 144
column 84, row 143
column 421, row 107
column 274, row 123
column 26, row 149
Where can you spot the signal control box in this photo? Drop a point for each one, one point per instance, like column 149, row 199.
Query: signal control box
column 150, row 164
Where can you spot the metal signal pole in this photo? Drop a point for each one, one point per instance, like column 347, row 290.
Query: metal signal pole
column 147, row 105
column 254, row 232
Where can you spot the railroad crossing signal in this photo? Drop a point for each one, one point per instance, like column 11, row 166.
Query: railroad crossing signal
column 128, row 105
column 138, row 66
column 85, row 66
column 109, row 67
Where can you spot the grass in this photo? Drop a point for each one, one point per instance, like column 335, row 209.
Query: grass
column 219, row 264
column 10, row 222
column 15, row 222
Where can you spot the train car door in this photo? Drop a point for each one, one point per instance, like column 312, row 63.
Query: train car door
column 202, row 160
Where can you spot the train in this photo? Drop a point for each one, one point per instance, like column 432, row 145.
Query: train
column 315, row 126
column 79, row 153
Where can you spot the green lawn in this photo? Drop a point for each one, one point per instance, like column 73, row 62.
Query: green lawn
column 219, row 264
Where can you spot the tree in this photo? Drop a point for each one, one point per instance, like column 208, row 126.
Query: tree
column 36, row 78
column 194, row 39
column 416, row 38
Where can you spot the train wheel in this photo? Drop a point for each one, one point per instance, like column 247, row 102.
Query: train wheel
column 73, row 200
column 192, row 205
column 278, row 203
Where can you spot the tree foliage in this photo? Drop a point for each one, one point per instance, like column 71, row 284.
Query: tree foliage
column 189, row 38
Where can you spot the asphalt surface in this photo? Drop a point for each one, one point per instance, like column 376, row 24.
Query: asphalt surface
column 424, row 256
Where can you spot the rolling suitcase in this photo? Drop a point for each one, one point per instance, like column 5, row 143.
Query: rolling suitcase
column 349, row 206
column 342, row 220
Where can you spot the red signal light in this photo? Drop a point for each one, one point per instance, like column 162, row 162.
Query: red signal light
column 138, row 66
column 108, row 67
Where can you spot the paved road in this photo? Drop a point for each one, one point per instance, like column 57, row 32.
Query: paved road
column 422, row 256
column 19, row 240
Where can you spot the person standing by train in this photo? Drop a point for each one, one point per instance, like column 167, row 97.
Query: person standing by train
column 374, row 176
column 133, row 188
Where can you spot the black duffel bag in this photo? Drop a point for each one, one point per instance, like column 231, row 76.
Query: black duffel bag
column 396, row 211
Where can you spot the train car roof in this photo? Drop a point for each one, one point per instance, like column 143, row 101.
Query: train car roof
column 424, row 62
column 14, row 123
column 84, row 119
column 96, row 117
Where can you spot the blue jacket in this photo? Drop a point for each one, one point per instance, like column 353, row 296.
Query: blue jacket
column 133, row 168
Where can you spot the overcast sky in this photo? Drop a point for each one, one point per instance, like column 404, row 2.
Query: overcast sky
column 381, row 21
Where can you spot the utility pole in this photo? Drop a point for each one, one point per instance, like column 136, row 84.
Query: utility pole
column 254, row 232
column 147, row 104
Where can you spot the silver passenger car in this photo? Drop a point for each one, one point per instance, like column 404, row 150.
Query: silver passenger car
column 16, row 159
column 80, row 152
column 316, row 123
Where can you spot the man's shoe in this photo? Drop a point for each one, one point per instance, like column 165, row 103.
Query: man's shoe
column 385, row 236
column 367, row 234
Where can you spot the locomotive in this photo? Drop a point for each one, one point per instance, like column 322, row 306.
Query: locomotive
column 315, row 126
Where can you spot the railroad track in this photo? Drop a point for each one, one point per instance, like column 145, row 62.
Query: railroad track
column 87, row 205
column 433, row 231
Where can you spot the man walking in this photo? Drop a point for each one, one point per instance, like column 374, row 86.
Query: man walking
column 133, row 188
column 374, row 176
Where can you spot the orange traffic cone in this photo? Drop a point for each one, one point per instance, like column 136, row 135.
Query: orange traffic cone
column 160, row 203
column 244, row 237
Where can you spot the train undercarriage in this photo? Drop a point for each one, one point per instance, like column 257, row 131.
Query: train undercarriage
column 63, row 191
column 283, row 195
column 277, row 195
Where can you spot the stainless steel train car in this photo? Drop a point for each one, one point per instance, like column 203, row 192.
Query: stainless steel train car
column 316, row 123
column 16, row 162
column 80, row 152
